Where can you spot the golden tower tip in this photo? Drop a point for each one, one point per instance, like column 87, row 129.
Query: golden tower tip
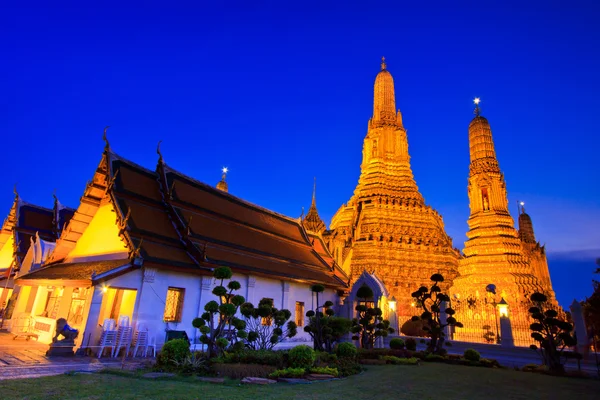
column 476, row 101
column 383, row 64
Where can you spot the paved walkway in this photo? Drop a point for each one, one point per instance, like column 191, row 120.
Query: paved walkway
column 20, row 358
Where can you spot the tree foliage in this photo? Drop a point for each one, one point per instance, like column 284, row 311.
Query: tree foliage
column 432, row 302
column 552, row 334
column 370, row 324
column 266, row 325
column 219, row 326
column 324, row 328
column 591, row 309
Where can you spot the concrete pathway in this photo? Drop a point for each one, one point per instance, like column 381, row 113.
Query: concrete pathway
column 20, row 358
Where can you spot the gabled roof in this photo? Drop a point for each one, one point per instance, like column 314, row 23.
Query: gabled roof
column 172, row 221
column 25, row 220
column 86, row 273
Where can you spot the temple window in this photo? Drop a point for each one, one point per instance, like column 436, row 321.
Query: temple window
column 52, row 303
column 174, row 305
column 76, row 308
column 299, row 313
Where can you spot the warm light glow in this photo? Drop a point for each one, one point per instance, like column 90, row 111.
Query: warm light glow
column 225, row 170
column 477, row 100
column 412, row 304
column 503, row 308
column 104, row 289
column 6, row 252
column 101, row 236
column 393, row 304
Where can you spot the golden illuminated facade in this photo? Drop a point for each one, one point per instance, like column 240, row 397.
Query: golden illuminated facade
column 495, row 253
column 386, row 228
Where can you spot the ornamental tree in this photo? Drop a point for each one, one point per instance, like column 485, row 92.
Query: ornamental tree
column 266, row 325
column 552, row 334
column 324, row 328
column 219, row 326
column 431, row 301
column 370, row 323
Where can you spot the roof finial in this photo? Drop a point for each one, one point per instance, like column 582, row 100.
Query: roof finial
column 55, row 197
column 477, row 100
column 15, row 192
column 383, row 64
column 106, row 144
column 522, row 204
column 222, row 185
column 160, row 157
column 314, row 199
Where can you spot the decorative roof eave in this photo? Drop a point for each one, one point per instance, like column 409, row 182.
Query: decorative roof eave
column 95, row 192
column 55, row 282
column 181, row 227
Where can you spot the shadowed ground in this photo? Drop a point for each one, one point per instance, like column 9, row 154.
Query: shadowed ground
column 428, row 381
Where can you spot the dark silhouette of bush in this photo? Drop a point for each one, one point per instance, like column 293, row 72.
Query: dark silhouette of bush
column 323, row 327
column 370, row 323
column 472, row 355
column 397, row 344
column 431, row 301
column 411, row 344
column 552, row 334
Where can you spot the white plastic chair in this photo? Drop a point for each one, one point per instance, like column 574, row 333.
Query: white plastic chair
column 107, row 340
column 124, row 334
column 124, row 320
column 109, row 325
column 140, row 342
column 151, row 345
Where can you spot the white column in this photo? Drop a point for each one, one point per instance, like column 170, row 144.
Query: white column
column 92, row 331
column 250, row 289
column 285, row 295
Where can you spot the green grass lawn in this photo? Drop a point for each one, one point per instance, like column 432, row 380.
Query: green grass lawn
column 428, row 381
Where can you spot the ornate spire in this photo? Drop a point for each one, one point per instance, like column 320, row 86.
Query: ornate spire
column 384, row 104
column 480, row 137
column 314, row 199
column 15, row 192
column 312, row 221
column 222, row 185
column 526, row 233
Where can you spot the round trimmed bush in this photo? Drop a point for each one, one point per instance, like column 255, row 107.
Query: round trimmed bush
column 411, row 344
column 397, row 344
column 472, row 355
column 174, row 351
column 301, row 357
column 346, row 350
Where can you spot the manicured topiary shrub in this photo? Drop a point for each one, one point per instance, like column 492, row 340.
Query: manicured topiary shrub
column 400, row 361
column 411, row 344
column 472, row 355
column 325, row 371
column 288, row 373
column 301, row 357
column 173, row 352
column 346, row 350
column 397, row 344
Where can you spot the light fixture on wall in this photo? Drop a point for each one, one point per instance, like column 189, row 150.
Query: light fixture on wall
column 104, row 289
column 503, row 308
column 393, row 303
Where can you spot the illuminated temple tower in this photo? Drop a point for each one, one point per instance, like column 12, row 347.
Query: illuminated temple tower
column 495, row 253
column 386, row 228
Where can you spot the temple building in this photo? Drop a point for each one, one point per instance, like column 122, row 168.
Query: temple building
column 142, row 245
column 386, row 228
column 28, row 234
column 499, row 262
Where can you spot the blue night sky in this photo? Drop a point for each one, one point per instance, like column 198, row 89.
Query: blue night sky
column 281, row 93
